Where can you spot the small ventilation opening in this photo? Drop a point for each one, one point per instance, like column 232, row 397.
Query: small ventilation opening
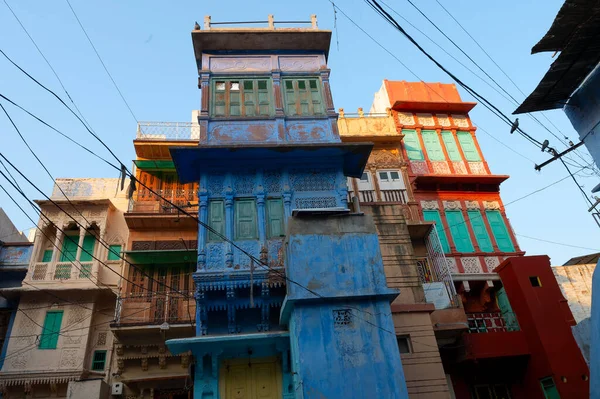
column 535, row 281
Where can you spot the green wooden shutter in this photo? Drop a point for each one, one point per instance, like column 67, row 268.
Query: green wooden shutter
column 51, row 329
column 219, row 93
column 459, row 231
column 433, row 146
column 99, row 361
column 549, row 388
column 434, row 216
column 216, row 219
column 468, row 146
column 500, row 231
column 451, row 146
column 69, row 248
column 234, row 97
column 316, row 98
column 412, row 145
column 89, row 241
column 290, row 97
column 249, row 97
column 264, row 98
column 245, row 220
column 275, row 224
column 47, row 255
column 481, row 234
column 507, row 312
column 114, row 252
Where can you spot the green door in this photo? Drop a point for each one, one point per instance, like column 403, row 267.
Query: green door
column 69, row 249
column 88, row 248
column 51, row 329
column 507, row 313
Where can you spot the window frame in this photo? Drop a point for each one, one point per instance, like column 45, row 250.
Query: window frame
column 236, row 219
column 413, row 138
column 94, row 361
column 242, row 101
column 46, row 252
column 212, row 237
column 268, row 216
column 408, row 344
column 389, row 183
column 307, row 90
column 111, row 252
column 456, row 227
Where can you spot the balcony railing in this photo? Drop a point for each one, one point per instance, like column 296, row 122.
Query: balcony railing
column 148, row 202
column 386, row 196
column 167, row 131
column 63, row 271
column 491, row 322
column 155, row 309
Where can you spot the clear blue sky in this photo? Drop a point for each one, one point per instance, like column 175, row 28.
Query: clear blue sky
column 147, row 47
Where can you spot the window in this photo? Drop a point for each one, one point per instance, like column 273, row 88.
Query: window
column 434, row 216
column 216, row 219
column 99, row 361
column 481, row 234
column 275, row 225
column 459, row 231
column 535, row 281
column 404, row 344
column 245, row 219
column 51, row 329
column 69, row 249
column 432, row 145
column 497, row 391
column 364, row 183
column 114, row 252
column 87, row 248
column 241, row 97
column 412, row 145
column 303, row 97
column 468, row 146
column 451, row 146
column 499, row 231
column 47, row 255
column 390, row 180
column 549, row 388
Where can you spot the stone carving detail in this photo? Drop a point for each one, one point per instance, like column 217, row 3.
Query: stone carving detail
column 426, row 119
column 21, row 360
column 68, row 359
column 101, row 341
column 240, row 64
column 419, row 167
column 142, row 245
column 241, row 260
column 491, row 262
column 491, row 205
column 342, row 318
column 477, row 168
column 274, row 246
column 185, row 360
column 215, row 184
column 430, row 205
column 440, row 167
column 452, row 266
column 452, row 205
column 272, row 180
column 443, row 119
column 316, row 180
column 214, row 255
column 316, row 202
column 406, row 118
column 76, row 315
column 27, row 328
column 72, row 339
column 145, row 364
column 385, row 157
column 243, row 184
column 459, row 168
column 471, row 264
column 299, row 63
column 472, row 205
column 460, row 120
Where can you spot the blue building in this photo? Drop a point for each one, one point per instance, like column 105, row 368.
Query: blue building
column 15, row 252
column 291, row 296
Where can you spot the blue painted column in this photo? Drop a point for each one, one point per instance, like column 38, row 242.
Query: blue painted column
column 595, row 338
column 229, row 227
column 260, row 207
column 8, row 331
column 203, row 216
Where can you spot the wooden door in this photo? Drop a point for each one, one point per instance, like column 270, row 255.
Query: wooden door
column 250, row 379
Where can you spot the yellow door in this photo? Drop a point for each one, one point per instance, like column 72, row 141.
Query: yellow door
column 250, row 379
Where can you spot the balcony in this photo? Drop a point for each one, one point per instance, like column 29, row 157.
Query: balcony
column 493, row 335
column 491, row 322
column 149, row 210
column 389, row 196
column 66, row 275
column 168, row 131
column 371, row 127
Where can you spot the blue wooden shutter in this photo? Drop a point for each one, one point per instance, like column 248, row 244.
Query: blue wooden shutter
column 481, row 234
column 500, row 232
column 434, row 216
column 88, row 245
column 216, row 219
column 432, row 145
column 459, row 231
column 51, row 329
column 275, row 225
column 412, row 145
column 69, row 248
column 451, row 146
column 468, row 146
column 245, row 220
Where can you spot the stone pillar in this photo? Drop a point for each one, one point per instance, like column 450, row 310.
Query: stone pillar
column 57, row 245
column 80, row 243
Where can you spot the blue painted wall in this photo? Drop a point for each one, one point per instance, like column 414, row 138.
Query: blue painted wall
column 595, row 338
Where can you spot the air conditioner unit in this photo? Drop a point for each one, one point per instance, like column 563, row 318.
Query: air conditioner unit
column 117, row 388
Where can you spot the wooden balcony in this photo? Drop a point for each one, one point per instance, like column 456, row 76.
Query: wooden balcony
column 388, row 196
column 149, row 211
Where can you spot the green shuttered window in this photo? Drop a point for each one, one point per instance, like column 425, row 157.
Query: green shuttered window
column 434, row 216
column 245, row 219
column 451, row 146
column 468, row 146
column 412, row 145
column 114, row 253
column 275, row 225
column 500, row 231
column 69, row 249
column 99, row 361
column 481, row 234
column 432, row 145
column 216, row 219
column 88, row 248
column 47, row 255
column 303, row 96
column 51, row 329
column 460, row 232
column 241, row 97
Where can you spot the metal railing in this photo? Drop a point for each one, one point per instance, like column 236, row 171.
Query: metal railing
column 437, row 267
column 489, row 322
column 62, row 271
column 159, row 131
column 148, row 202
column 157, row 308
